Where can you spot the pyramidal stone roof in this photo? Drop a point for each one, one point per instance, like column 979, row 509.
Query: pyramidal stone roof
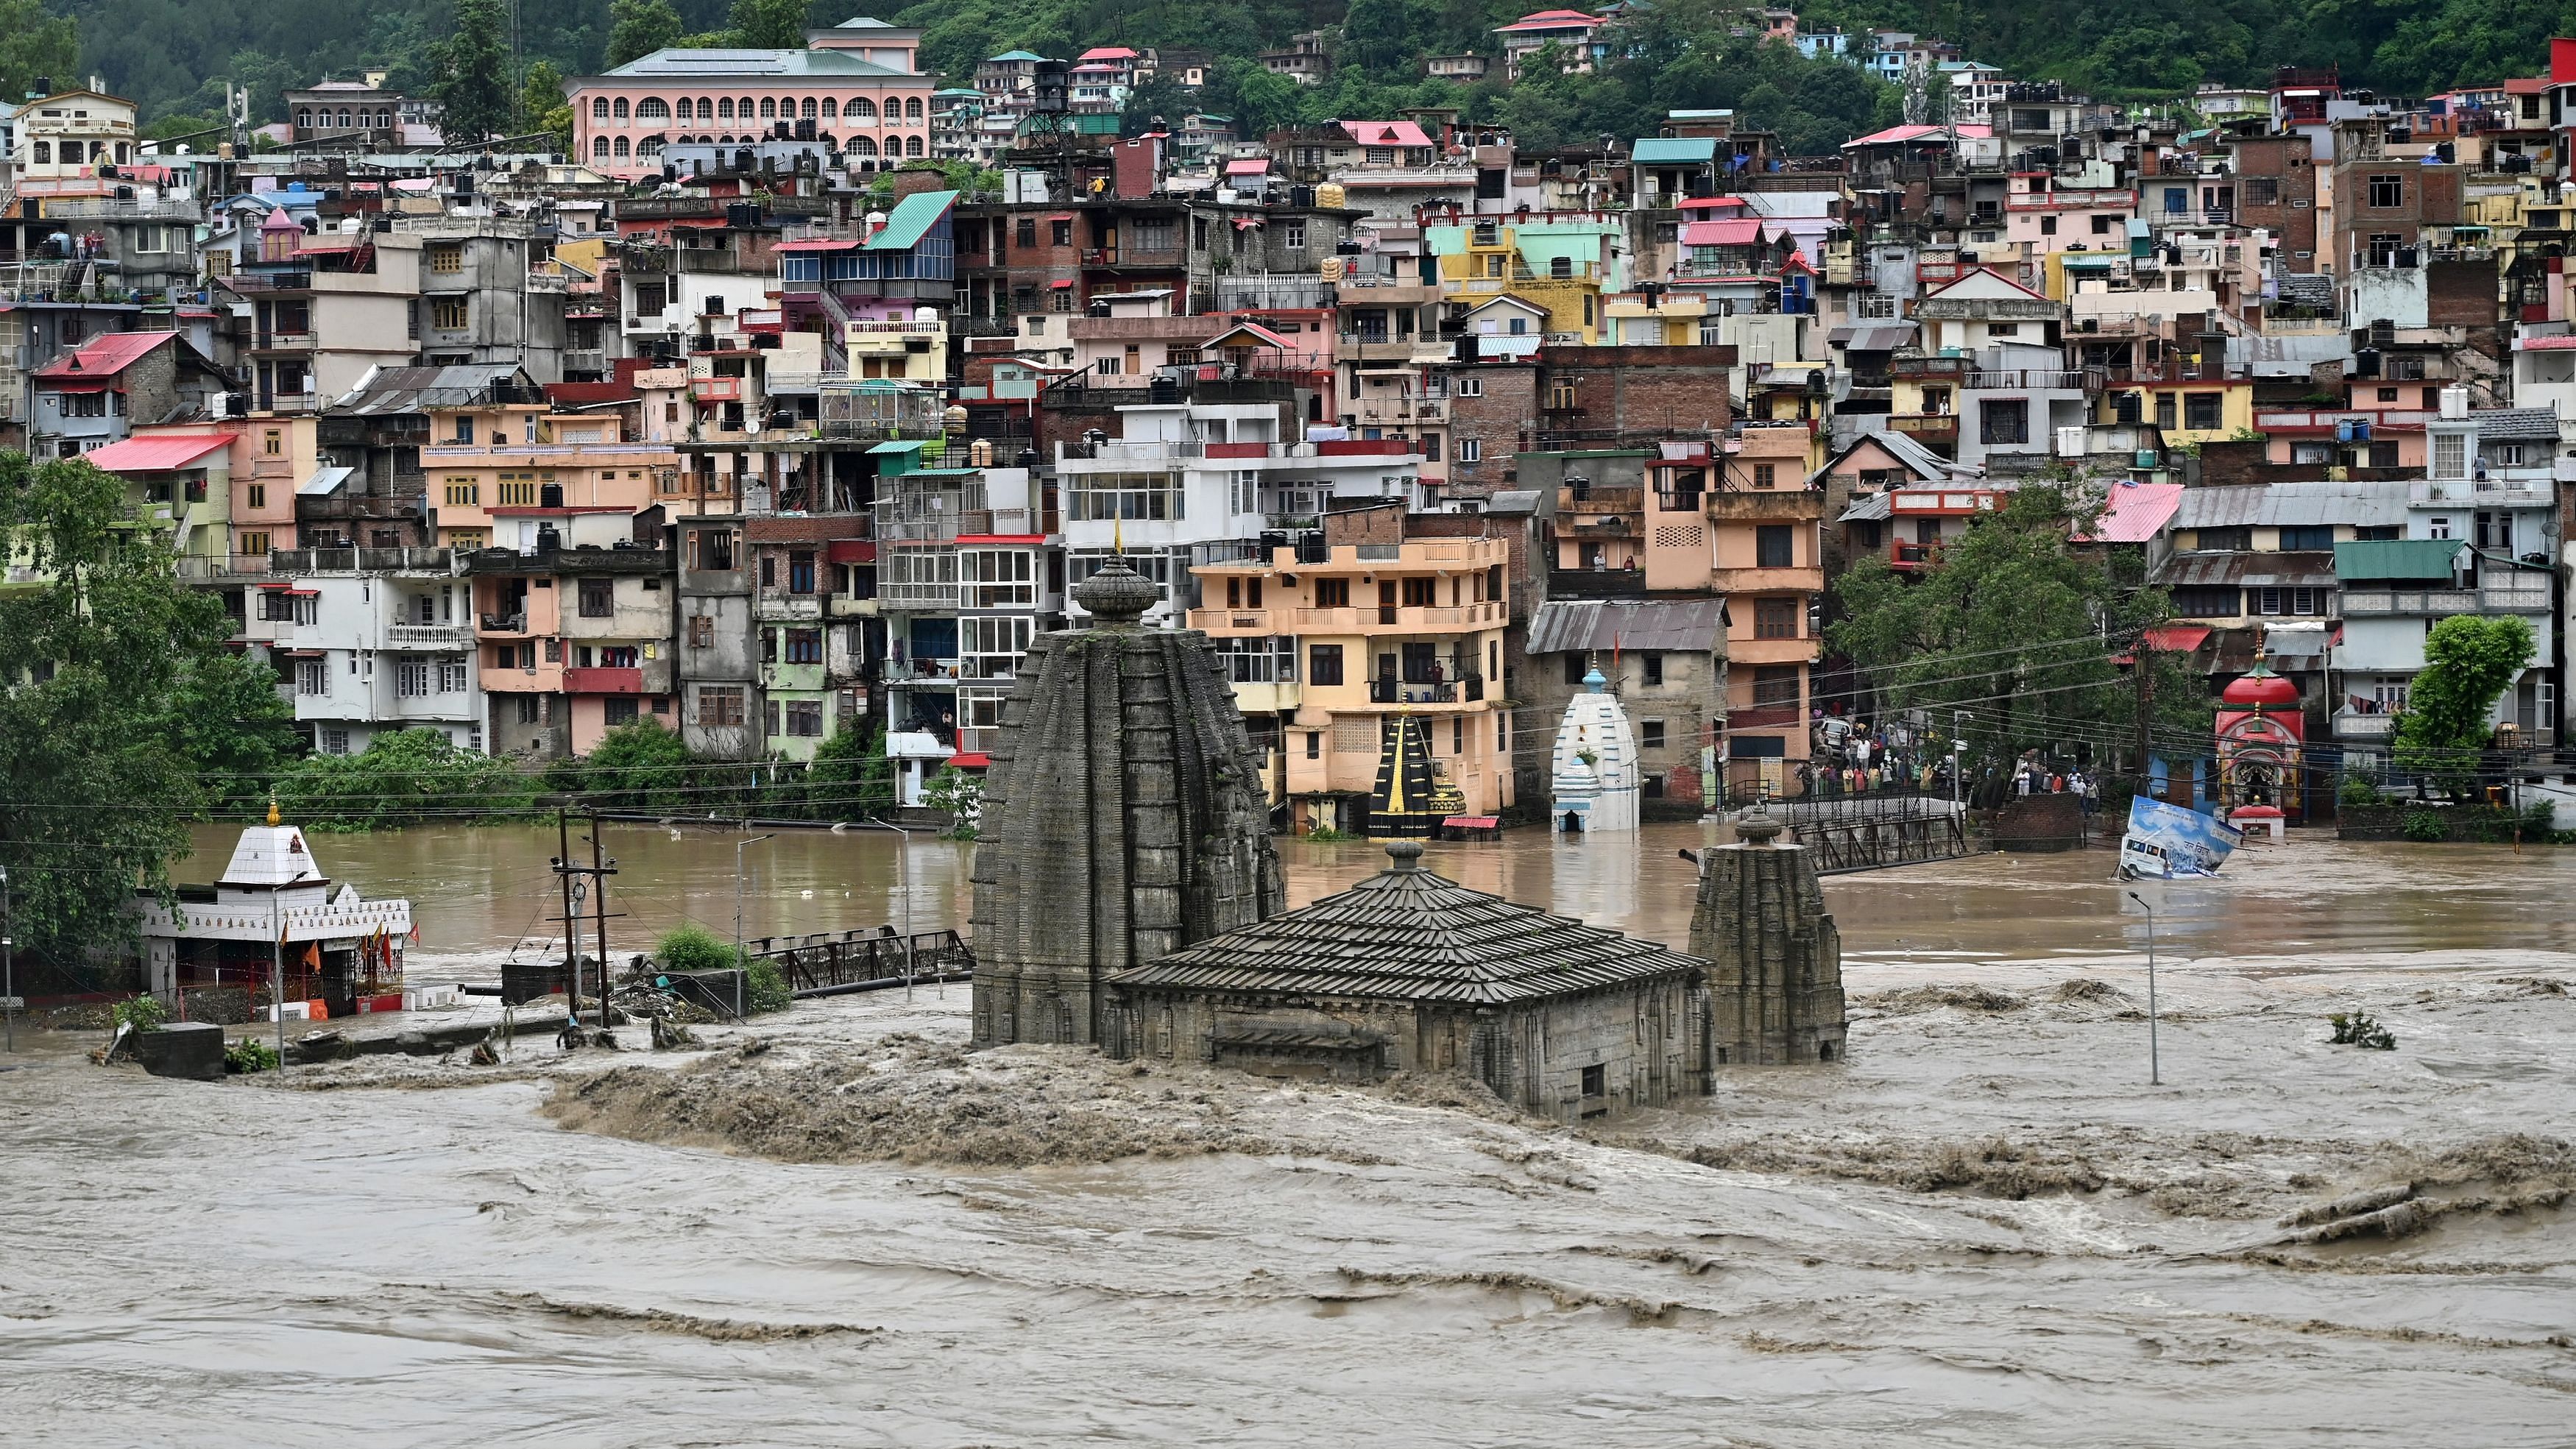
column 1406, row 934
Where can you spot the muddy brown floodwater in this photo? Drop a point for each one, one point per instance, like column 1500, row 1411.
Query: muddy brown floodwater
column 1984, row 1228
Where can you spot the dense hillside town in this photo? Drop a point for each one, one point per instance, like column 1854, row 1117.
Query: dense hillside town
column 783, row 394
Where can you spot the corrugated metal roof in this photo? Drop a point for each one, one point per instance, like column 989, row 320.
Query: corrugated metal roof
column 2262, row 505
column 2397, row 558
column 2135, row 512
column 911, row 220
column 1872, row 336
column 1672, row 150
column 1406, row 934
column 1870, row 508
column 2261, row 570
column 1683, row 625
column 391, row 390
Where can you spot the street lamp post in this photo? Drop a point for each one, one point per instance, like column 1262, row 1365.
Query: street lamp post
column 741, row 963
column 2155, row 1074
column 903, row 878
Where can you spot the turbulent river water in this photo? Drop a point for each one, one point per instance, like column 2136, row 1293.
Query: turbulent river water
column 1982, row 1229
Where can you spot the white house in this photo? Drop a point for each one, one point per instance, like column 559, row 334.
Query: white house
column 372, row 640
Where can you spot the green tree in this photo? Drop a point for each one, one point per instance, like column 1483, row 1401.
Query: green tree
column 640, row 27
column 2016, row 626
column 639, row 766
column 2469, row 662
column 226, row 716
column 851, row 778
column 543, row 107
column 473, row 83
column 35, row 43
column 769, row 24
column 115, row 689
column 406, row 777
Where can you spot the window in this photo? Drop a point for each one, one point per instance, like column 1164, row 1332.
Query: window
column 335, row 742
column 2308, row 538
column 1324, row 664
column 2383, row 454
column 1100, row 496
column 2311, row 453
column 2206, row 601
column 805, row 646
column 1596, row 1081
column 2101, row 226
column 2003, row 421
column 1314, row 744
column 518, row 490
column 1766, row 475
column 1332, row 593
column 1577, row 664
column 2387, row 192
column 2450, row 455
column 1654, row 665
column 711, row 550
column 2202, row 410
column 2003, row 329
column 2437, row 528
column 805, row 717
column 702, row 632
column 1471, row 450
column 1650, row 734
column 618, row 709
column 2167, row 415
column 447, row 314
column 312, row 676
column 2048, row 226
column 598, row 598
column 1560, row 395
column 2235, row 539
column 1775, row 685
column 1468, row 387
column 1775, row 618
column 455, row 676
column 1060, row 233
column 1292, row 234
column 258, row 496
column 461, row 493
column 800, row 572
column 411, row 678
column 720, row 705
column 1773, row 546
column 446, row 258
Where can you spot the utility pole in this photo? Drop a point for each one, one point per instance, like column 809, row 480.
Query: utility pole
column 600, row 871
column 2145, row 669
column 563, row 877
column 590, row 888
column 8, row 967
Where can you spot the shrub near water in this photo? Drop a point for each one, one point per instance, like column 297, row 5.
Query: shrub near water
column 694, row 948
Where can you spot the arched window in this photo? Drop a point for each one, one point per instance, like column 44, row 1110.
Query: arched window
column 862, row 146
column 807, row 109
column 724, row 109
column 651, row 109
column 649, row 146
column 599, row 147
column 706, row 109
column 618, row 111
column 831, row 109
column 912, row 146
column 599, row 108
column 344, row 120
column 743, row 111
column 768, row 109
column 912, row 111
column 304, row 120
column 860, row 108
column 621, row 148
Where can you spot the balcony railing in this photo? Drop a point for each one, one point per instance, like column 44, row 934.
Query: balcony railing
column 429, row 636
column 2443, row 602
column 1396, row 691
column 2034, row 379
column 505, row 623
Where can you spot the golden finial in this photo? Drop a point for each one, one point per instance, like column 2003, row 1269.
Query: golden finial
column 272, row 809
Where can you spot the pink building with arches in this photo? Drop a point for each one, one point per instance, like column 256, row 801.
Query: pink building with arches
column 858, row 83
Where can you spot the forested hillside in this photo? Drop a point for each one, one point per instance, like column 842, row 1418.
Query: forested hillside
column 173, row 55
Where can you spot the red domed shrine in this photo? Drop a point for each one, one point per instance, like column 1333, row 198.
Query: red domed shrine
column 2261, row 734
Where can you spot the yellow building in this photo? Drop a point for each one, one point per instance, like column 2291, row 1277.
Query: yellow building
column 1567, row 292
column 1329, row 648
column 2189, row 413
column 520, row 458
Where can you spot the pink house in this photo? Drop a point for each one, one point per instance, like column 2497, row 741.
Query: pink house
column 858, row 83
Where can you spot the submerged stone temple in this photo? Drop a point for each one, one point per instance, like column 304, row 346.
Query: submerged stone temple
column 1775, row 960
column 1409, row 971
column 1593, row 769
column 1123, row 817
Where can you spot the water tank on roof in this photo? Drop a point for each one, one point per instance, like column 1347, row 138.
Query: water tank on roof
column 1330, row 195
column 550, row 495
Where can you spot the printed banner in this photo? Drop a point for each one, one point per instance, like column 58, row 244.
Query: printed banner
column 2172, row 842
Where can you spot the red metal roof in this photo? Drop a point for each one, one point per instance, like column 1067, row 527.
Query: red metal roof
column 977, row 761
column 104, row 356
column 1734, row 232
column 156, row 452
column 2177, row 638
column 1549, row 20
column 2137, row 512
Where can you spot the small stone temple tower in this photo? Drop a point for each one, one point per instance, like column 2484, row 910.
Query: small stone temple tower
column 1594, row 768
column 1124, row 817
column 1775, row 960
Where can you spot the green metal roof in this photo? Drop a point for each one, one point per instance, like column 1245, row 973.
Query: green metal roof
column 1672, row 150
column 911, row 219
column 898, row 445
column 1018, row 55
column 2397, row 558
